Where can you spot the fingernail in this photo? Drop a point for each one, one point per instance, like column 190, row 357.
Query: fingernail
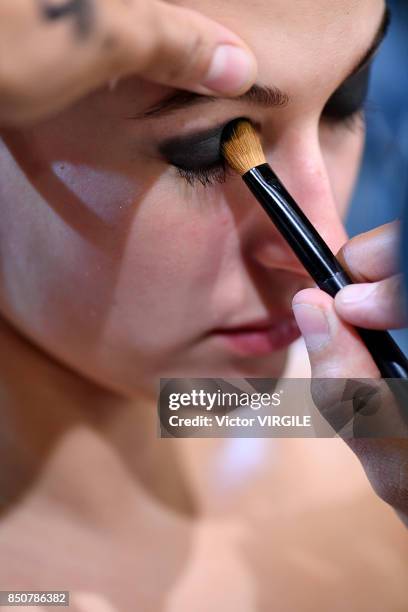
column 352, row 294
column 313, row 324
column 231, row 69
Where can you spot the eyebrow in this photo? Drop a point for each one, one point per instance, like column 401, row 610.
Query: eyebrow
column 260, row 95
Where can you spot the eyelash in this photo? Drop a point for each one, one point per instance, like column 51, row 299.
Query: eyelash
column 205, row 176
column 352, row 122
column 218, row 173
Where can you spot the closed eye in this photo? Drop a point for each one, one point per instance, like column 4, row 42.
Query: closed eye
column 198, row 157
column 349, row 99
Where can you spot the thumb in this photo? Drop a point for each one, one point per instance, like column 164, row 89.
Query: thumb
column 363, row 412
column 187, row 50
column 345, row 386
column 334, row 347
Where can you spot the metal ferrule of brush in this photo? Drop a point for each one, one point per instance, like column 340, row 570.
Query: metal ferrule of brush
column 297, row 230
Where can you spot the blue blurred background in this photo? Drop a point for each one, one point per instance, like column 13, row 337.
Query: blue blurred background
column 382, row 191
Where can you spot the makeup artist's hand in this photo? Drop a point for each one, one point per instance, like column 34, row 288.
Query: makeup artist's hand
column 336, row 352
column 52, row 52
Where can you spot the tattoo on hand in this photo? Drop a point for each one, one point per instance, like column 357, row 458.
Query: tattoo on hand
column 80, row 10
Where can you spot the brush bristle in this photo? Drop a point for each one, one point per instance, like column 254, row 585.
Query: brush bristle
column 242, row 148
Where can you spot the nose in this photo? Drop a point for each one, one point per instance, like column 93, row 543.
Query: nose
column 298, row 161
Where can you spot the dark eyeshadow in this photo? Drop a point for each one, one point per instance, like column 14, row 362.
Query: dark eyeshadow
column 194, row 152
column 350, row 96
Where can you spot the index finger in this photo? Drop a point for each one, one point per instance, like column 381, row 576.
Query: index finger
column 373, row 255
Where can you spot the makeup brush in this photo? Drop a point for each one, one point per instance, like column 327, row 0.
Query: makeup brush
column 243, row 151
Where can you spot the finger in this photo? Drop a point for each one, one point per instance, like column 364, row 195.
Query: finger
column 346, row 384
column 379, row 305
column 334, row 347
column 372, row 256
column 57, row 55
column 359, row 406
column 386, row 465
column 190, row 51
column 335, row 355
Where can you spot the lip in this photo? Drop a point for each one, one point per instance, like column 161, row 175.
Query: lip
column 258, row 338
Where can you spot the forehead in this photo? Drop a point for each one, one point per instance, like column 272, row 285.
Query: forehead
column 299, row 39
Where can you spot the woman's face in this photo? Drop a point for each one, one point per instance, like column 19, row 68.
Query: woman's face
column 126, row 267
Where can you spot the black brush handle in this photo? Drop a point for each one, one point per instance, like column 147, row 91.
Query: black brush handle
column 319, row 261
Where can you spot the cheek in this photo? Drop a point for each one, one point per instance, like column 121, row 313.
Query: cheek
column 104, row 195
column 169, row 269
column 111, row 271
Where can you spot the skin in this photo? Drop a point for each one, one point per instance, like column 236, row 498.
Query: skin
column 141, row 266
column 92, row 44
column 246, row 269
column 376, row 302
